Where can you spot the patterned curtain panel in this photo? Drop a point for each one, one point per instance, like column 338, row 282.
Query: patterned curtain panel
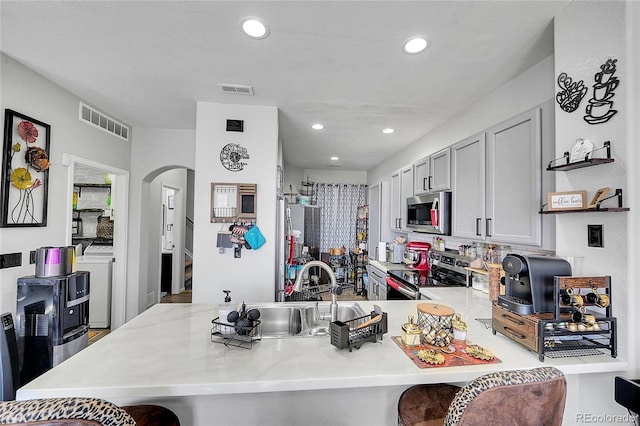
column 338, row 215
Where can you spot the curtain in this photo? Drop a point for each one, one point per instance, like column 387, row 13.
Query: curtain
column 339, row 209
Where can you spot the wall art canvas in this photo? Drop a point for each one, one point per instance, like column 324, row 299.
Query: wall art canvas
column 25, row 171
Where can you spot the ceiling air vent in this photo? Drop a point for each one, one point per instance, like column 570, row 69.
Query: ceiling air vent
column 236, row 89
column 105, row 123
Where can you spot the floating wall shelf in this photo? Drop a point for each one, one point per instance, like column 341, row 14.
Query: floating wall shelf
column 587, row 162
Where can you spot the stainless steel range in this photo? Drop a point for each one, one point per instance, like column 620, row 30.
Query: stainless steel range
column 448, row 268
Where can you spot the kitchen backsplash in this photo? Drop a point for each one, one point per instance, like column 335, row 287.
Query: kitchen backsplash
column 452, row 243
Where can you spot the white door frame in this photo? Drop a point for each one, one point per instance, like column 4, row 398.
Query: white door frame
column 120, row 197
column 177, row 264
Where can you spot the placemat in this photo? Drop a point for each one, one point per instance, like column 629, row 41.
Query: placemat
column 456, row 359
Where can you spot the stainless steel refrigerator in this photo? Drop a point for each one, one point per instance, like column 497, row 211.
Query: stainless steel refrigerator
column 303, row 218
column 307, row 220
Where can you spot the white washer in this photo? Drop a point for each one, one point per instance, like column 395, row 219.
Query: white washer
column 101, row 271
column 99, row 250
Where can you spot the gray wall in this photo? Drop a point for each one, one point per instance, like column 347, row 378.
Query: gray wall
column 27, row 92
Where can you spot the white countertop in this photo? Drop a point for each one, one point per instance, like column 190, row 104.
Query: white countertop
column 388, row 266
column 166, row 351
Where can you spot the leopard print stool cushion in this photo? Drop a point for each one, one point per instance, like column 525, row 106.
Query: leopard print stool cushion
column 513, row 396
column 55, row 410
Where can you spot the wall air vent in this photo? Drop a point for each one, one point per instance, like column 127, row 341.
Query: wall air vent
column 97, row 119
column 236, row 89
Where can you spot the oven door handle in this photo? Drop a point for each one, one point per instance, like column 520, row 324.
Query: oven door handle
column 401, row 288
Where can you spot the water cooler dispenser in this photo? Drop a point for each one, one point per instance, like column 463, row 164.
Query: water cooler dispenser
column 9, row 377
column 52, row 313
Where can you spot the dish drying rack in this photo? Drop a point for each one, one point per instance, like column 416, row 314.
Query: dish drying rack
column 353, row 333
column 222, row 332
column 313, row 293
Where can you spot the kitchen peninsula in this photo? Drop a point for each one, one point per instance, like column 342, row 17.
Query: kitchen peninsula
column 165, row 356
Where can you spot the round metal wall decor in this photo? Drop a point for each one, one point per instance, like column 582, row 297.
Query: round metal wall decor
column 232, row 155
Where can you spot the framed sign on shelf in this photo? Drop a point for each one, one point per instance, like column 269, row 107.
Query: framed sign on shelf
column 25, row 171
column 571, row 200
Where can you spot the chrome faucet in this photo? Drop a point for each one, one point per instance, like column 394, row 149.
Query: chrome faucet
column 334, row 288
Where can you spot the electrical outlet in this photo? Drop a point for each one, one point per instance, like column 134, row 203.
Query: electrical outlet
column 10, row 260
column 595, row 237
column 32, row 257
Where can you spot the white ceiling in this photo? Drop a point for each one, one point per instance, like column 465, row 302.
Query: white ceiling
column 147, row 63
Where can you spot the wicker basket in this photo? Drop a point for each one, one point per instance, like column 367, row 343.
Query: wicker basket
column 105, row 227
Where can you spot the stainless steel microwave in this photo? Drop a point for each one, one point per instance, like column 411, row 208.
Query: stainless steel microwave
column 430, row 213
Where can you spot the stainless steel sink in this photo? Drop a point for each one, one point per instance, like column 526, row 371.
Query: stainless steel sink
column 302, row 319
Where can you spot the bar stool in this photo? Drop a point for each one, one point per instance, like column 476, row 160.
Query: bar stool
column 504, row 398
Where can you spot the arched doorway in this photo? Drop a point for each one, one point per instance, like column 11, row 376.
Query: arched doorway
column 167, row 209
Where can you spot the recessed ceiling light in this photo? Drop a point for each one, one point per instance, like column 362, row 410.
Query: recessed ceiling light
column 415, row 44
column 317, row 126
column 254, row 27
column 335, row 158
column 388, row 131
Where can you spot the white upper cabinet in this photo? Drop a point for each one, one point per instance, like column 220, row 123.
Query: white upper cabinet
column 401, row 189
column 514, row 180
column 497, row 183
column 433, row 173
column 468, row 198
column 421, row 169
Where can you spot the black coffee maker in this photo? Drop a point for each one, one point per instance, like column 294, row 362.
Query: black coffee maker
column 529, row 283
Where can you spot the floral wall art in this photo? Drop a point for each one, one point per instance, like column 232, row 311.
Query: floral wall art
column 25, row 171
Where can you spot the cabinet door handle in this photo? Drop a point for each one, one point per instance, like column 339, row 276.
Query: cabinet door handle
column 488, row 227
column 514, row 334
column 513, row 320
column 478, row 226
column 424, row 184
column 430, row 182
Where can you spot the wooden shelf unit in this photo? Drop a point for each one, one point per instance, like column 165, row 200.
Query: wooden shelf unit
column 547, row 332
column 587, row 162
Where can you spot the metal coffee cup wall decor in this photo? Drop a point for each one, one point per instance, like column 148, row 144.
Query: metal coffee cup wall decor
column 25, row 171
column 599, row 108
column 232, row 155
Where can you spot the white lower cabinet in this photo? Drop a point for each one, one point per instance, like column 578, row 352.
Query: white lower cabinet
column 497, row 183
column 377, row 283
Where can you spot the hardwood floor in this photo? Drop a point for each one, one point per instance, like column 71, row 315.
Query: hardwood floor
column 184, row 297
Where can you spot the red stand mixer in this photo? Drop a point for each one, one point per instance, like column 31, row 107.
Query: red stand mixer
column 416, row 256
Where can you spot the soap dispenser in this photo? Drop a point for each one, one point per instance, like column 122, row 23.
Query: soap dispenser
column 224, row 309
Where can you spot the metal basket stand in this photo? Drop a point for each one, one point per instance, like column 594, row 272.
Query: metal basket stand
column 228, row 335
